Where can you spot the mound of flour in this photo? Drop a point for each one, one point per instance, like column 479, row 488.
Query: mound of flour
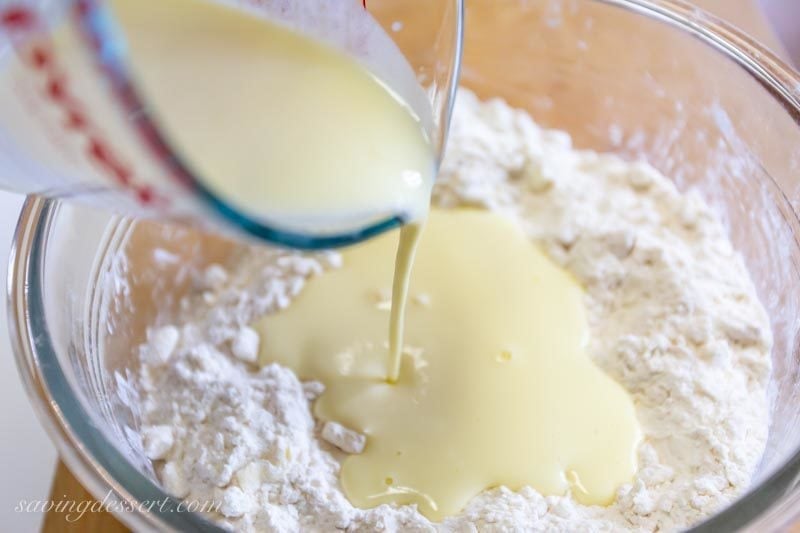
column 673, row 315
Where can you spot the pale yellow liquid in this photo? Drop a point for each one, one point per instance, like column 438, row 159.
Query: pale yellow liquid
column 410, row 237
column 495, row 386
column 281, row 126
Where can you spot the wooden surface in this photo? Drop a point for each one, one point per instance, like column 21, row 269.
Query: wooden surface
column 743, row 13
column 67, row 488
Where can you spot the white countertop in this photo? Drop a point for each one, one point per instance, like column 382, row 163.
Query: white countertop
column 28, row 456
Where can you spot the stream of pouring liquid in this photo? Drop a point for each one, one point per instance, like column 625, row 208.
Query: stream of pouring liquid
column 281, row 125
column 404, row 261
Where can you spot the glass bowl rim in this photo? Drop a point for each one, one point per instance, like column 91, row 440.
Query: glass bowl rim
column 104, row 470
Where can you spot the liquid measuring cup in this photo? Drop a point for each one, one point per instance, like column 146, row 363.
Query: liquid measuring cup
column 74, row 126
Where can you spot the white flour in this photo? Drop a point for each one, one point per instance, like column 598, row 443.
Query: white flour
column 673, row 314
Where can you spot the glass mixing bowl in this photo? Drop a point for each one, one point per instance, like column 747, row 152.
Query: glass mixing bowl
column 650, row 79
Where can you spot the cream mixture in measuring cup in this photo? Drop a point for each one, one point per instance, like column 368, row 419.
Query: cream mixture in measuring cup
column 312, row 134
column 212, row 113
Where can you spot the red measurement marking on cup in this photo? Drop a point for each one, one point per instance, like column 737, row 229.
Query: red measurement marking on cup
column 31, row 42
column 39, row 58
column 18, row 18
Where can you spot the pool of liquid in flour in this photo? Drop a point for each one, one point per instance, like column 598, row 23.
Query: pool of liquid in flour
column 495, row 386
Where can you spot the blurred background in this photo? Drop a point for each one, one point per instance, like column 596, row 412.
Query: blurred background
column 784, row 16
